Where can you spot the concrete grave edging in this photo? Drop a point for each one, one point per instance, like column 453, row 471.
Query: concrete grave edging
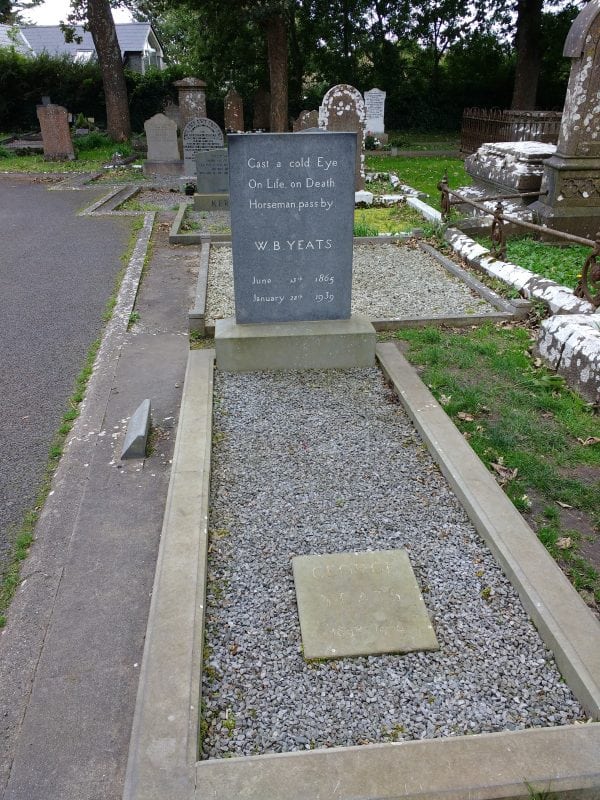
column 164, row 742
column 199, row 322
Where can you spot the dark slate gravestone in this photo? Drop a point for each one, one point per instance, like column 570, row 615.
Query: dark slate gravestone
column 199, row 134
column 292, row 210
column 212, row 171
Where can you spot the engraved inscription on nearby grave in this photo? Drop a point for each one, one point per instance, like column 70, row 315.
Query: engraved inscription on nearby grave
column 292, row 207
column 354, row 604
column 212, row 171
column 375, row 109
column 198, row 135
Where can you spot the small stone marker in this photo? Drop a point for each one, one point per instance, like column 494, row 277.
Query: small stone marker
column 198, row 135
column 56, row 134
column 161, row 139
column 234, row 112
column 192, row 99
column 343, row 109
column 375, row 110
column 136, row 437
column 306, row 120
column 212, row 171
column 353, row 604
column 292, row 213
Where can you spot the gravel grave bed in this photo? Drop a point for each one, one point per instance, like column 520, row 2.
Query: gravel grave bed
column 389, row 281
column 164, row 199
column 326, row 462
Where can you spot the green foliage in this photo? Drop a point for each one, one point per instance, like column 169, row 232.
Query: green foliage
column 525, row 425
column 92, row 141
column 422, row 173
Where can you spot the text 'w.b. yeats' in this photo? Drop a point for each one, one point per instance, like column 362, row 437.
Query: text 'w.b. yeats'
column 292, row 214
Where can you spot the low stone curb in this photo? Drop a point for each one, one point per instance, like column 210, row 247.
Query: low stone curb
column 164, row 743
column 571, row 346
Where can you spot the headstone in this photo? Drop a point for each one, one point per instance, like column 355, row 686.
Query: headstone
column 353, row 604
column 572, row 175
column 306, row 120
column 292, row 212
column 212, row 171
column 261, row 120
column 343, row 109
column 161, row 139
column 56, row 134
column 199, row 134
column 192, row 99
column 234, row 112
column 375, row 109
column 171, row 110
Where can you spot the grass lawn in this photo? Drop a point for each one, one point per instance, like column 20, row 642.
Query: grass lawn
column 422, row 173
column 539, row 439
column 396, row 219
column 414, row 140
column 88, row 160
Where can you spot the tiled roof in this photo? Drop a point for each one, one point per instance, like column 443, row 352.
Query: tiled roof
column 11, row 36
column 132, row 37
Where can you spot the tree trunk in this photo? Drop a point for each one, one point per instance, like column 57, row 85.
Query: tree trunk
column 102, row 28
column 278, row 72
column 527, row 70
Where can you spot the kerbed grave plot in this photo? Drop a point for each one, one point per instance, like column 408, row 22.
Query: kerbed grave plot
column 327, row 462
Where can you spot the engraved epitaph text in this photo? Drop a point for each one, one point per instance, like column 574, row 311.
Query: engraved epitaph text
column 292, row 206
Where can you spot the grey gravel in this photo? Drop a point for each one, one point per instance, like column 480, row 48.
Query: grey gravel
column 324, row 462
column 390, row 281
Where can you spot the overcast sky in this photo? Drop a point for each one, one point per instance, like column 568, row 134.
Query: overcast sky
column 50, row 12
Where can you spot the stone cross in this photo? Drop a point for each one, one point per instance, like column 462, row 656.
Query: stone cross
column 234, row 112
column 56, row 134
column 343, row 109
column 572, row 175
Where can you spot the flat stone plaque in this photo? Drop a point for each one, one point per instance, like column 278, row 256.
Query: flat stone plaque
column 358, row 604
column 292, row 213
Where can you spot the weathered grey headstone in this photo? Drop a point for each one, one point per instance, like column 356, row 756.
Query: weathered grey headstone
column 161, row 138
column 192, row 99
column 375, row 110
column 353, row 604
column 212, row 171
column 261, row 119
column 306, row 119
column 292, row 209
column 56, row 133
column 343, row 109
column 171, row 110
column 233, row 112
column 198, row 135
column 572, row 175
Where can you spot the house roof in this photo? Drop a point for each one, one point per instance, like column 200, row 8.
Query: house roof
column 132, row 37
column 11, row 36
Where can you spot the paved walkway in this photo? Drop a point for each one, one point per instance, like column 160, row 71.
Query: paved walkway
column 57, row 271
column 70, row 654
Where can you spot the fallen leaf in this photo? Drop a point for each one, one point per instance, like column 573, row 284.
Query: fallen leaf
column 465, row 417
column 537, row 362
column 563, row 505
column 506, row 473
column 564, row 543
column 590, row 440
column 445, row 399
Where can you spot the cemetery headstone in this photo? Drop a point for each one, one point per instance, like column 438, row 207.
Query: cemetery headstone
column 261, row 119
column 171, row 110
column 161, row 138
column 234, row 112
column 198, row 135
column 306, row 120
column 375, row 110
column 212, row 171
column 292, row 209
column 353, row 604
column 56, row 133
column 572, row 175
column 343, row 109
column 192, row 99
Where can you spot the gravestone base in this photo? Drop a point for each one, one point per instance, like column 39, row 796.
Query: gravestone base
column 321, row 344
column 572, row 204
column 211, row 202
column 163, row 168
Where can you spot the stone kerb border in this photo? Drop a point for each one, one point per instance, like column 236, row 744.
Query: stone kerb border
column 203, row 326
column 164, row 743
